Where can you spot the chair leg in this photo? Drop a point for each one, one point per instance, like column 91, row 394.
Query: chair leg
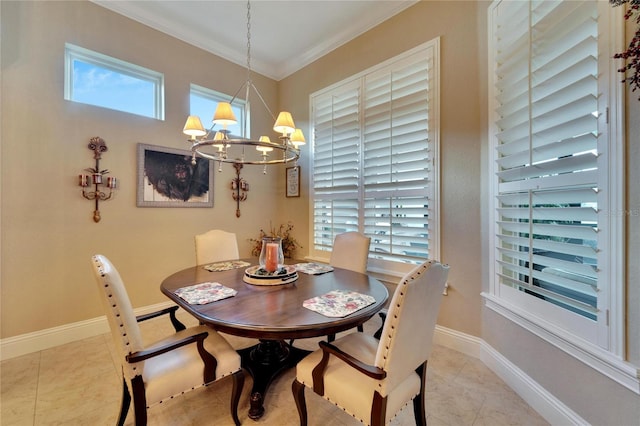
column 383, row 315
column 139, row 401
column 298, row 395
column 177, row 325
column 420, row 402
column 236, row 392
column 361, row 328
column 126, row 403
column 378, row 410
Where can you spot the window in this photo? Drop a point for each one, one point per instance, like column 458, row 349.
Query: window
column 557, row 173
column 96, row 79
column 375, row 159
column 204, row 101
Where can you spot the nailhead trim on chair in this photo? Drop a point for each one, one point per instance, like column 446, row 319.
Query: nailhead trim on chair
column 403, row 285
column 114, row 307
column 204, row 385
column 402, row 293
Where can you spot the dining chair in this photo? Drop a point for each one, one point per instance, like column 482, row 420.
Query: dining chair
column 350, row 251
column 183, row 361
column 374, row 379
column 216, row 245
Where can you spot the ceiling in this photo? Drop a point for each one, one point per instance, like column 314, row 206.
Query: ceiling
column 286, row 35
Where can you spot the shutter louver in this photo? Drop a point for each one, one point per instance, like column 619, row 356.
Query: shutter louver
column 336, row 164
column 396, row 161
column 373, row 163
column 547, row 226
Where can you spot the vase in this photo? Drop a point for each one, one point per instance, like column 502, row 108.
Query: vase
column 271, row 256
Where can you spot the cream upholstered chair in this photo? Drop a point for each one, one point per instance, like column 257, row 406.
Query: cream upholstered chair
column 350, row 251
column 190, row 358
column 370, row 379
column 216, row 245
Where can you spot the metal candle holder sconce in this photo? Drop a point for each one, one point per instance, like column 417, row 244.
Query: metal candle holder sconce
column 239, row 187
column 98, row 146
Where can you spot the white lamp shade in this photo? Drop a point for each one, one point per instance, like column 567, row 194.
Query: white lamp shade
column 297, row 138
column 284, row 123
column 193, row 127
column 264, row 148
column 219, row 136
column 224, row 115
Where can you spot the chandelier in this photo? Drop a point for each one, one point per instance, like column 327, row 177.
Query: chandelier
column 220, row 145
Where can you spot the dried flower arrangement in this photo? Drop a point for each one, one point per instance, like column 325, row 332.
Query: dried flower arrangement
column 632, row 54
column 289, row 244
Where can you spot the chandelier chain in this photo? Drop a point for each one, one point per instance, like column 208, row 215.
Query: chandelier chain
column 248, row 40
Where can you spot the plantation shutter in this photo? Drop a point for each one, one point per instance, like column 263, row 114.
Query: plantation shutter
column 375, row 159
column 547, row 158
column 397, row 160
column 336, row 168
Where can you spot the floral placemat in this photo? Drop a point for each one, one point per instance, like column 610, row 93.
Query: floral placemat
column 338, row 303
column 203, row 293
column 225, row 266
column 313, row 268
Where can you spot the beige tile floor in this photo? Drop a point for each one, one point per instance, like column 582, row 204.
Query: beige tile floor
column 79, row 384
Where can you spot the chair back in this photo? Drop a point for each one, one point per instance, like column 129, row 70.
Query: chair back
column 408, row 330
column 216, row 245
column 350, row 251
column 122, row 320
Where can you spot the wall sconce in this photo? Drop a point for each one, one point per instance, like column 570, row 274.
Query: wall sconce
column 240, row 188
column 98, row 146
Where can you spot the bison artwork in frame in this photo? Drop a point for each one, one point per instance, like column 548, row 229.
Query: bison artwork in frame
column 167, row 178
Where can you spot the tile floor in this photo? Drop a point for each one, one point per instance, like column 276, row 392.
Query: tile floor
column 79, row 384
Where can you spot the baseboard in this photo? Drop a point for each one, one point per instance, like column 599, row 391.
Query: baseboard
column 543, row 402
column 549, row 407
column 461, row 342
column 44, row 339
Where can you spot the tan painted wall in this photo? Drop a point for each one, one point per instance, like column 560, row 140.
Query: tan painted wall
column 48, row 234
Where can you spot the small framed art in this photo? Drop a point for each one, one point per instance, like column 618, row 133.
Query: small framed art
column 167, row 178
column 293, row 181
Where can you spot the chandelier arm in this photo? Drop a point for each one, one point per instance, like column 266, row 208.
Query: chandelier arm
column 242, row 86
column 262, row 100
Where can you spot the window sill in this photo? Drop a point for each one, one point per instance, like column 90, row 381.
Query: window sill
column 597, row 358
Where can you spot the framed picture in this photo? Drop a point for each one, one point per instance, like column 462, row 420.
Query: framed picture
column 293, row 181
column 167, row 178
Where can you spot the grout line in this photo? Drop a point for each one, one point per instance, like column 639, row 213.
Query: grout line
column 37, row 394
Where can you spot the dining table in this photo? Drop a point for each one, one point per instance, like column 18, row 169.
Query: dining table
column 276, row 312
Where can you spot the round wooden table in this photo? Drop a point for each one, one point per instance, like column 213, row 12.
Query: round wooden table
column 274, row 314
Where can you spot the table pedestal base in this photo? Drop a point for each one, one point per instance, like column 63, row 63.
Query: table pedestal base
column 264, row 362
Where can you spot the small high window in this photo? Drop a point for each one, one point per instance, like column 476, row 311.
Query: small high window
column 203, row 103
column 100, row 80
